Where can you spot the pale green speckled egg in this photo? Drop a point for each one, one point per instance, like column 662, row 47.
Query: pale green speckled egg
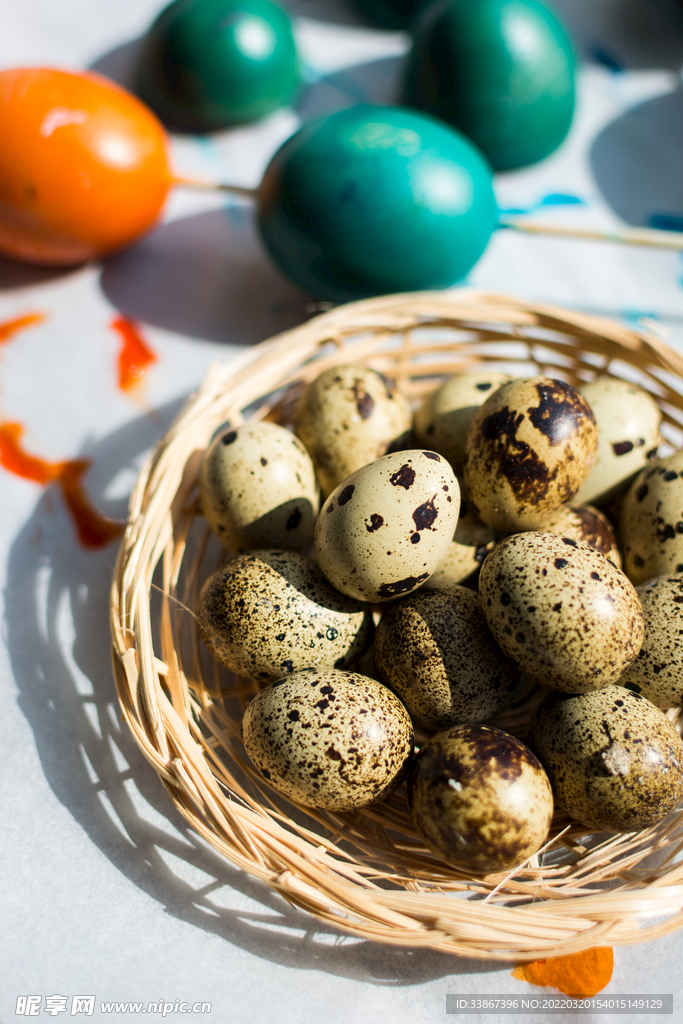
column 329, row 739
column 614, row 760
column 384, row 530
column 651, row 521
column 561, row 611
column 657, row 672
column 628, row 421
column 347, row 417
column 258, row 488
column 272, row 612
column 443, row 420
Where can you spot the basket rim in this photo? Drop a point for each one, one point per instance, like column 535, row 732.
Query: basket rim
column 160, row 713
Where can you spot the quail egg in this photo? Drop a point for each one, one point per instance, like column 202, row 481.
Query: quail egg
column 258, row 488
column 651, row 521
column 386, row 528
column 444, row 418
column 270, row 613
column 561, row 611
column 347, row 417
column 628, row 436
column 434, row 649
column 329, row 739
column 529, row 449
column 471, row 543
column 615, row 761
column 480, row 799
column 657, row 672
column 588, row 524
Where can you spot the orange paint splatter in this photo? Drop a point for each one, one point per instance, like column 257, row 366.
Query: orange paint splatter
column 12, row 327
column 94, row 529
column 579, row 975
column 135, row 355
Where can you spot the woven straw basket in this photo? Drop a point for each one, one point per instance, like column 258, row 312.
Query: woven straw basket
column 368, row 872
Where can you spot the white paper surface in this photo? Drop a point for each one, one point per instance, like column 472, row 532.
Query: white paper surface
column 105, row 892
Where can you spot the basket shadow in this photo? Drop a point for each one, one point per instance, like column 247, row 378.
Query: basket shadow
column 643, row 189
column 58, row 641
column 206, row 276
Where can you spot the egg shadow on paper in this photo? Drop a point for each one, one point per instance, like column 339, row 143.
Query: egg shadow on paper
column 119, row 64
column 57, row 632
column 624, row 34
column 637, row 160
column 338, row 12
column 376, row 82
column 206, row 276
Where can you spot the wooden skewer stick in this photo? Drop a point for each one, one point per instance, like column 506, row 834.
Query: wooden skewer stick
column 213, row 186
column 631, row 236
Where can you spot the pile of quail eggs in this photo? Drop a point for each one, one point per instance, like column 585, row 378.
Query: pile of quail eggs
column 472, row 533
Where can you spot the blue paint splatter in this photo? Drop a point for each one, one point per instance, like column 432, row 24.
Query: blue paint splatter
column 634, row 317
column 666, row 221
column 552, row 199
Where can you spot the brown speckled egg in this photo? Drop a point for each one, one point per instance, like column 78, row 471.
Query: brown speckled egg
column 587, row 524
column 436, row 652
column 529, row 449
column 657, row 672
column 480, row 799
column 628, row 436
column 615, row 761
column 651, row 521
column 258, row 488
column 387, row 527
column 561, row 611
column 347, row 417
column 444, row 418
column 328, row 739
column 273, row 612
column 471, row 543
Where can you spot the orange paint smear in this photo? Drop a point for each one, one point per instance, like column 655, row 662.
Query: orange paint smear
column 579, row 975
column 135, row 355
column 12, row 327
column 94, row 529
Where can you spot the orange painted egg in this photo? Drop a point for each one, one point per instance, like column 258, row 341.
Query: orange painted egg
column 84, row 167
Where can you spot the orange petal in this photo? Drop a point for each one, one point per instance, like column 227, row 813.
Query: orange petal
column 579, row 975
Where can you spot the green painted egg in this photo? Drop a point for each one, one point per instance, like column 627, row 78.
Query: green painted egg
column 205, row 64
column 374, row 200
column 396, row 14
column 502, row 71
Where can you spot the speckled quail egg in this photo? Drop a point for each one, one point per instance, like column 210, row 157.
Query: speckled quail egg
column 385, row 529
column 434, row 649
column 258, row 488
column 651, row 521
column 272, row 612
column 347, row 417
column 657, row 672
column 442, row 421
column 471, row 543
column 587, row 524
column 480, row 799
column 628, row 421
column 614, row 760
column 561, row 611
column 328, row 739
column 529, row 449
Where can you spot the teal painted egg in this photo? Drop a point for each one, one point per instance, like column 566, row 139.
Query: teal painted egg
column 502, row 71
column 374, row 200
column 205, row 64
column 396, row 14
